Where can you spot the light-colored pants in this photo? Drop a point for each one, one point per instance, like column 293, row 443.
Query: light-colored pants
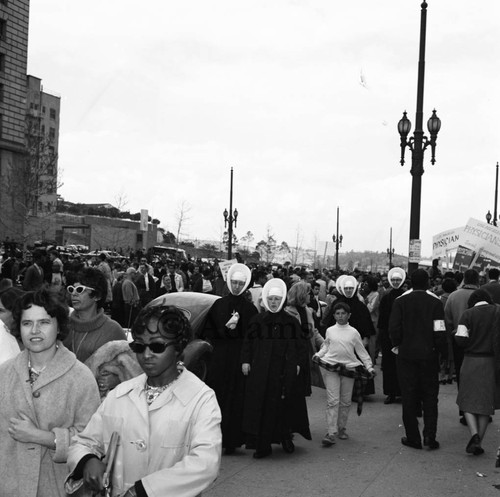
column 338, row 400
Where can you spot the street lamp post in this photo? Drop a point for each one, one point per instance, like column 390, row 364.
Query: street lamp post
column 418, row 142
column 230, row 218
column 390, row 251
column 495, row 214
column 337, row 240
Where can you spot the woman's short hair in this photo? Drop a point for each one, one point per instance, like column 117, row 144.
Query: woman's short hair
column 342, row 306
column 53, row 304
column 297, row 295
column 95, row 279
column 9, row 296
column 167, row 321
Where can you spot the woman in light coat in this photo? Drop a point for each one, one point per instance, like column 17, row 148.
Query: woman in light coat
column 46, row 396
column 167, row 419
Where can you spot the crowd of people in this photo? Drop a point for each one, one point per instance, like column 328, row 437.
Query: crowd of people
column 86, row 357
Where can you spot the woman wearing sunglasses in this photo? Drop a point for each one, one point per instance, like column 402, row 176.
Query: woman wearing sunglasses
column 183, row 456
column 46, row 396
column 89, row 327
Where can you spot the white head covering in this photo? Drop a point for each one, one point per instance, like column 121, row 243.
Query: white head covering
column 348, row 281
column 338, row 283
column 394, row 273
column 238, row 272
column 274, row 286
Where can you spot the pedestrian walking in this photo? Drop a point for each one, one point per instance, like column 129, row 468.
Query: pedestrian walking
column 341, row 357
column 479, row 391
column 418, row 332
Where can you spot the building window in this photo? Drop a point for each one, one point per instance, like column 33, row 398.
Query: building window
column 50, row 170
column 52, row 113
column 43, row 128
column 3, row 29
column 2, row 95
column 43, row 109
column 2, row 62
column 52, row 133
column 51, row 151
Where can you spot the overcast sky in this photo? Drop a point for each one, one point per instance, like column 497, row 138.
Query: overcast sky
column 302, row 98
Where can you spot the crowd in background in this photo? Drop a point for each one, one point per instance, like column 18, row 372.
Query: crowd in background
column 275, row 332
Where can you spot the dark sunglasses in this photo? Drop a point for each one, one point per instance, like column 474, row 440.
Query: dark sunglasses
column 155, row 347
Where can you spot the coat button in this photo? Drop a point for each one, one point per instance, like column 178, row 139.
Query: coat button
column 140, row 445
column 36, row 394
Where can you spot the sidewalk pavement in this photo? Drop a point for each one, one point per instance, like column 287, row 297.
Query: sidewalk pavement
column 372, row 463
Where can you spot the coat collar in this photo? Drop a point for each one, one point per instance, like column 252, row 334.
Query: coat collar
column 62, row 361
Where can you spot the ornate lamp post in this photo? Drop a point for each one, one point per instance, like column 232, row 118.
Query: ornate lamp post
column 230, row 218
column 495, row 216
column 390, row 251
column 337, row 240
column 418, row 142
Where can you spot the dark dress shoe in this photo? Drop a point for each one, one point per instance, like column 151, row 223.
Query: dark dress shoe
column 390, row 399
column 259, row 454
column 473, row 445
column 411, row 443
column 431, row 443
column 463, row 421
column 288, row 446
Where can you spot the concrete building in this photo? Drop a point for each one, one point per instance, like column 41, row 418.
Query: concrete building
column 29, row 136
column 14, row 17
column 42, row 139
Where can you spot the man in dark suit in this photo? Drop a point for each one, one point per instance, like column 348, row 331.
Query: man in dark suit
column 33, row 278
column 493, row 287
column 145, row 284
column 418, row 332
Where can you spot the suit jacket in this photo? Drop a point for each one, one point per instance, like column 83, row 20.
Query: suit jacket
column 33, row 278
column 145, row 296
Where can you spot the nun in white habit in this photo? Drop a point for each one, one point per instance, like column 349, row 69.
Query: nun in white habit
column 225, row 328
column 271, row 359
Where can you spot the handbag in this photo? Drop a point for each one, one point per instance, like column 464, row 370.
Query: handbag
column 79, row 489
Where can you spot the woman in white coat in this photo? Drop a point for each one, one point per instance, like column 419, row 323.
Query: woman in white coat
column 167, row 419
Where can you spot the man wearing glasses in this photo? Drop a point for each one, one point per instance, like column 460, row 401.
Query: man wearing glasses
column 89, row 327
column 182, row 458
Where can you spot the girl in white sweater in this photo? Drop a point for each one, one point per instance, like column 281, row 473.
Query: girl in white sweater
column 342, row 352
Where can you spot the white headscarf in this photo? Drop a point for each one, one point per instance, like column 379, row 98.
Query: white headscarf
column 339, row 281
column 347, row 281
column 395, row 272
column 239, row 272
column 274, row 286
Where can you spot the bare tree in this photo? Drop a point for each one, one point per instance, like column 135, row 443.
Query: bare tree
column 121, row 200
column 298, row 246
column 267, row 247
column 183, row 217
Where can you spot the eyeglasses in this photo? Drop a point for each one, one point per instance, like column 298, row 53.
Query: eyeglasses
column 155, row 347
column 79, row 289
